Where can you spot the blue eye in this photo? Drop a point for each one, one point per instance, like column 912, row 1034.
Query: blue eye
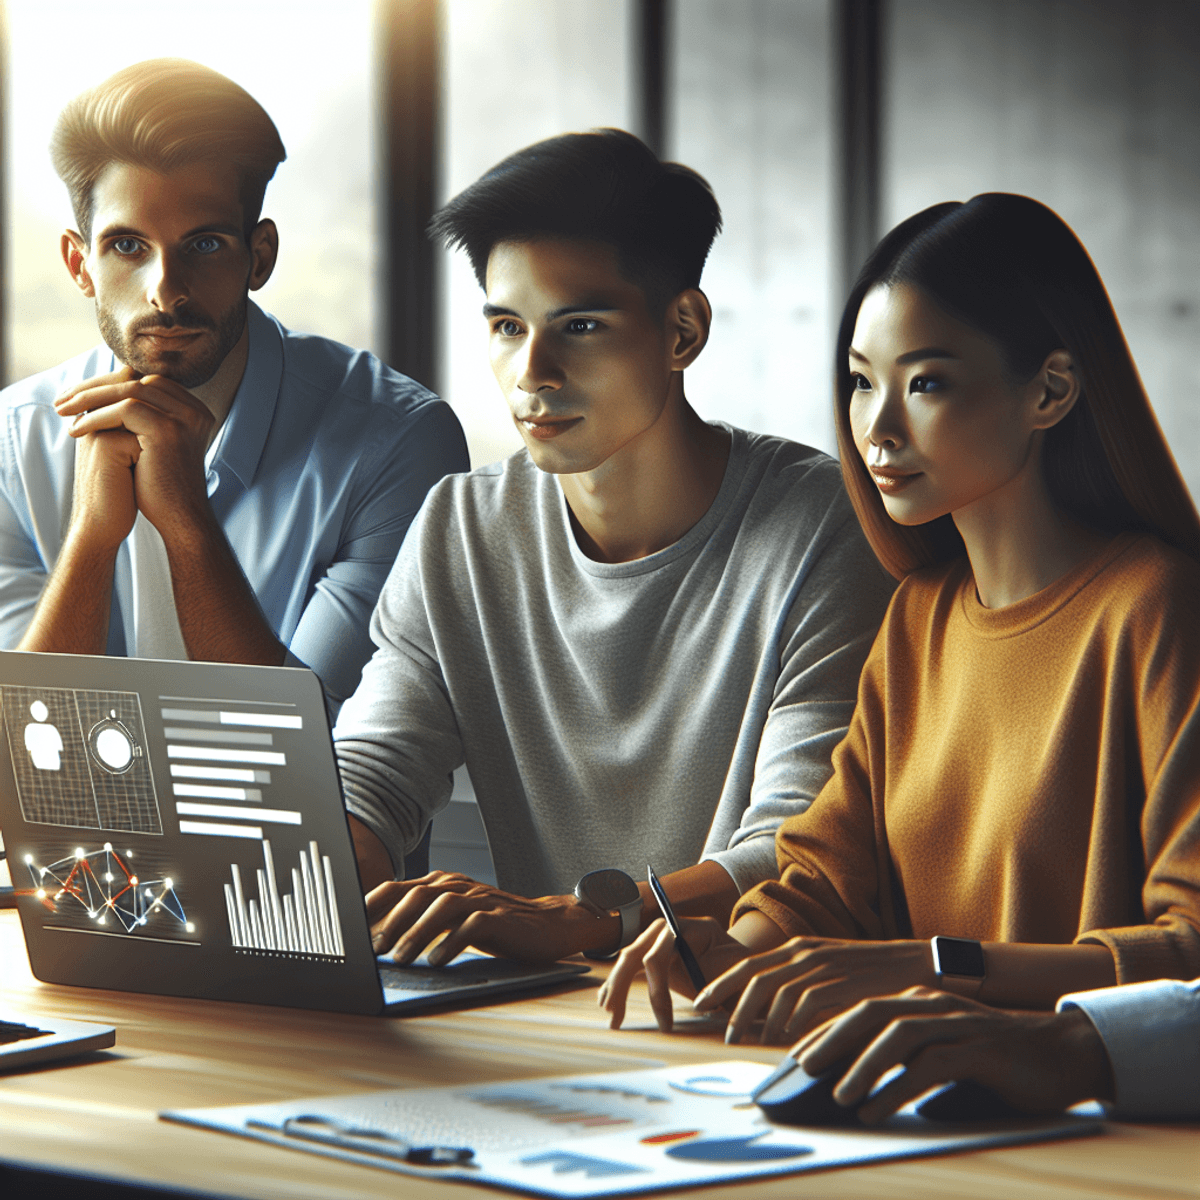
column 506, row 328
column 925, row 383
column 127, row 245
column 206, row 244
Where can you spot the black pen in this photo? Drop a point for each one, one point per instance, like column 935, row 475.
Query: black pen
column 334, row 1131
column 685, row 951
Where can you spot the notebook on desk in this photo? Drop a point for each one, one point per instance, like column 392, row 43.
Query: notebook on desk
column 177, row 828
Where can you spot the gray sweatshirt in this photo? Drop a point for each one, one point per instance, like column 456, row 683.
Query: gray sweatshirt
column 665, row 710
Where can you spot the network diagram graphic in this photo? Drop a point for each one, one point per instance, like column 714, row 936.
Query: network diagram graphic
column 103, row 885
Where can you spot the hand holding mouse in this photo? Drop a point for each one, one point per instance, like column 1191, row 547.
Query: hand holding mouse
column 1036, row 1062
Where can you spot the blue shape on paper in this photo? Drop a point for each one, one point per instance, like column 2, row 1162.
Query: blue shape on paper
column 594, row 1168
column 738, row 1079
column 736, row 1150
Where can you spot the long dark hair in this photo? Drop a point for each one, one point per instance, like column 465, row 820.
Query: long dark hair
column 1013, row 269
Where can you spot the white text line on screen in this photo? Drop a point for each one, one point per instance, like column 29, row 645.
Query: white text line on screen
column 214, row 830
column 211, row 717
column 233, row 774
column 265, row 757
column 210, row 792
column 277, row 816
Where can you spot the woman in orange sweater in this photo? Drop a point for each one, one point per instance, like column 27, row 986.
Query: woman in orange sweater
column 1014, row 813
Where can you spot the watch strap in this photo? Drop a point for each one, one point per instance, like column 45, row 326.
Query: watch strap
column 630, row 922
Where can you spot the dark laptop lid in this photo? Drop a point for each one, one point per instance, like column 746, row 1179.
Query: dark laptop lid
column 178, row 828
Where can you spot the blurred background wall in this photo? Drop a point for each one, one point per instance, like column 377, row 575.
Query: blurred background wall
column 819, row 123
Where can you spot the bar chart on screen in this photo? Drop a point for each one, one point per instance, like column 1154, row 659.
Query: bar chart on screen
column 217, row 748
column 303, row 922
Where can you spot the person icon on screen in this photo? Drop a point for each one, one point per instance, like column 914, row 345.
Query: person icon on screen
column 43, row 741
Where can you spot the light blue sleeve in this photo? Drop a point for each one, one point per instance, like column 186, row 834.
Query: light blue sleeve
column 22, row 575
column 332, row 636
column 32, row 494
column 1152, row 1034
column 37, row 477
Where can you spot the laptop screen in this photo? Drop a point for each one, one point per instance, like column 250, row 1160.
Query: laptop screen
column 175, row 827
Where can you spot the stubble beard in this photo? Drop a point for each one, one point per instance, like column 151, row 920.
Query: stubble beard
column 189, row 368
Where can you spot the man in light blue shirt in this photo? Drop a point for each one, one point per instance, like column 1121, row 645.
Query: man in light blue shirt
column 210, row 485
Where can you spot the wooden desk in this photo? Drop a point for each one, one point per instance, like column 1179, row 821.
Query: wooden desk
column 98, row 1116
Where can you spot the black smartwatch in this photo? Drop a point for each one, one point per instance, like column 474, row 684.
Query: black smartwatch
column 610, row 891
column 958, row 962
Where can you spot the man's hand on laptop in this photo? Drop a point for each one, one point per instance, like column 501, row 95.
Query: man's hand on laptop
column 407, row 915
column 165, row 431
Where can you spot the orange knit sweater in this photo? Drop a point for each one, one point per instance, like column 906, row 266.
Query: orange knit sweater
column 1023, row 774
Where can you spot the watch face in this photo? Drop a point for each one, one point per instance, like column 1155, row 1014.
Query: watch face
column 960, row 956
column 609, row 889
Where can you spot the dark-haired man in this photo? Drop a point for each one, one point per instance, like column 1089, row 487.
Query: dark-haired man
column 208, row 485
column 643, row 633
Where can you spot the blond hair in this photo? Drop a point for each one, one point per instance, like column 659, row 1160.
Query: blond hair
column 164, row 114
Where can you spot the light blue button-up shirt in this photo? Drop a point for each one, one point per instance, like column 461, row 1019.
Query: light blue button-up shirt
column 1152, row 1034
column 324, row 459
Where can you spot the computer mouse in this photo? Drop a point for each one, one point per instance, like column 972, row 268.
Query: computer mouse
column 967, row 1101
column 791, row 1096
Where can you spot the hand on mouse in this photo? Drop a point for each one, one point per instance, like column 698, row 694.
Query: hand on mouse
column 791, row 1096
column 1035, row 1061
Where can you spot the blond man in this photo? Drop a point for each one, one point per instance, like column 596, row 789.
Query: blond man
column 206, row 484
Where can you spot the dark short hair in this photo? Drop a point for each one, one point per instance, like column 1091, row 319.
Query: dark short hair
column 1012, row 269
column 604, row 186
column 164, row 114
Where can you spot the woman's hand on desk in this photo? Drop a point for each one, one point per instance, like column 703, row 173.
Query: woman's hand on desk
column 654, row 952
column 407, row 915
column 807, row 980
column 790, row 988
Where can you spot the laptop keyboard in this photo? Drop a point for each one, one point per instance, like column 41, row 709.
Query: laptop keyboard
column 472, row 973
column 10, row 1031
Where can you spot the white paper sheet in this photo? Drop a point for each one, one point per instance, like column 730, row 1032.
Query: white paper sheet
column 605, row 1135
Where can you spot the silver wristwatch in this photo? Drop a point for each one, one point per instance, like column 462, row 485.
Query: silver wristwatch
column 610, row 891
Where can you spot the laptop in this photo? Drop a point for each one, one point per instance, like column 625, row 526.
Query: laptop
column 177, row 828
column 27, row 1041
